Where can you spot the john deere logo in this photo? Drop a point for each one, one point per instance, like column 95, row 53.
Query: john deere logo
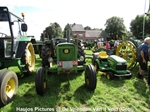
column 66, row 51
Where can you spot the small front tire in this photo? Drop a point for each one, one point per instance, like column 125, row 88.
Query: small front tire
column 9, row 86
column 40, row 81
column 110, row 75
column 90, row 77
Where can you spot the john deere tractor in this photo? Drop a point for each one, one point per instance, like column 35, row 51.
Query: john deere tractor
column 63, row 56
column 16, row 49
column 110, row 65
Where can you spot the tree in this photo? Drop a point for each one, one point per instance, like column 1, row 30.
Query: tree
column 53, row 30
column 87, row 28
column 101, row 29
column 115, row 27
column 136, row 26
column 66, row 28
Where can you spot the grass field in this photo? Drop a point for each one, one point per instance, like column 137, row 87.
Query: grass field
column 118, row 95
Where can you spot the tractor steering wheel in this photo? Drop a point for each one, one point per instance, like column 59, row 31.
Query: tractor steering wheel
column 3, row 34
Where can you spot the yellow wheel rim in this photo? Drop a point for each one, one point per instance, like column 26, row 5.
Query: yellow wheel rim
column 127, row 50
column 108, row 76
column 30, row 57
column 87, row 81
column 95, row 67
column 10, row 87
column 44, row 84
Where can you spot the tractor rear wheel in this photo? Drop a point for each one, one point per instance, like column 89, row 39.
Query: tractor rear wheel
column 40, row 52
column 90, row 77
column 40, row 81
column 46, row 53
column 110, row 75
column 128, row 51
column 81, row 56
column 9, row 86
column 28, row 59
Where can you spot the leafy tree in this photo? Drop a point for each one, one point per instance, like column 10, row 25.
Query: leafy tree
column 101, row 29
column 53, row 30
column 115, row 27
column 87, row 28
column 66, row 28
column 137, row 26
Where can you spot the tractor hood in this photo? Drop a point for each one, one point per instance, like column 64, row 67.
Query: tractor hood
column 116, row 59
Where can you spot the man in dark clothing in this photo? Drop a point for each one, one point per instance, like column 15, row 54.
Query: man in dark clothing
column 143, row 56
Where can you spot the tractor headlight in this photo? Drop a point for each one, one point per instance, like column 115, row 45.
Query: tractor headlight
column 50, row 59
column 81, row 58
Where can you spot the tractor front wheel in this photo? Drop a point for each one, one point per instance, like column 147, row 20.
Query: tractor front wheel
column 129, row 76
column 9, row 86
column 110, row 75
column 90, row 77
column 28, row 59
column 40, row 81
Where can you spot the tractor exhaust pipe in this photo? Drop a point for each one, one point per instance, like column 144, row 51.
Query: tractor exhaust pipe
column 68, row 35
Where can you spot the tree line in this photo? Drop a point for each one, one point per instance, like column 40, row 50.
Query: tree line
column 114, row 26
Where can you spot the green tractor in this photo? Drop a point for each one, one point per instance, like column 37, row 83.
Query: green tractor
column 38, row 47
column 16, row 49
column 90, row 44
column 63, row 56
column 110, row 65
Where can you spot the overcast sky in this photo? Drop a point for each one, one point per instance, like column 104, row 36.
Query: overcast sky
column 94, row 13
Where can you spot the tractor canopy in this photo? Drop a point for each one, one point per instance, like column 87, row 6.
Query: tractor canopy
column 13, row 25
column 12, row 29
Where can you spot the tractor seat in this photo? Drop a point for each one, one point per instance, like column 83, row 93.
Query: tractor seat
column 103, row 55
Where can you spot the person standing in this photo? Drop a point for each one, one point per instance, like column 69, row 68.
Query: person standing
column 107, row 45
column 100, row 44
column 116, row 43
column 143, row 56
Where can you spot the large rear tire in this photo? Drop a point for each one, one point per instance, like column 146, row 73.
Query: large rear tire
column 9, row 86
column 128, row 51
column 90, row 77
column 46, row 53
column 28, row 59
column 40, row 81
column 81, row 55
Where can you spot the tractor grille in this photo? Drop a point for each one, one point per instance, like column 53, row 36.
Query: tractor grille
column 121, row 67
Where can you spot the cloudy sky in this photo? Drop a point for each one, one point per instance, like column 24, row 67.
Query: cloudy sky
column 94, row 13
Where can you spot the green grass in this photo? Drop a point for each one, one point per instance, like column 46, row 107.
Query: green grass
column 119, row 94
